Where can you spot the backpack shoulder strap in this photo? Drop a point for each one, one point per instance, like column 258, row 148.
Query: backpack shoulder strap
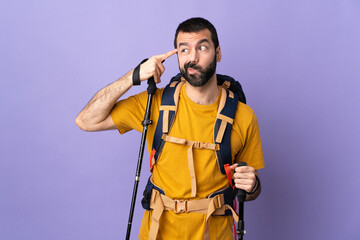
column 168, row 108
column 230, row 83
column 223, row 125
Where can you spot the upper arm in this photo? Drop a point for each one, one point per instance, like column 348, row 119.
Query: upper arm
column 247, row 137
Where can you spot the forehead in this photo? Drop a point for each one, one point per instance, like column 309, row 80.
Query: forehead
column 193, row 37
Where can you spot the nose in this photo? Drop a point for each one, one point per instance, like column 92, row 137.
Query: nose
column 194, row 56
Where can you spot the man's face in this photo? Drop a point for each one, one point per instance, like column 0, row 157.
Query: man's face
column 197, row 56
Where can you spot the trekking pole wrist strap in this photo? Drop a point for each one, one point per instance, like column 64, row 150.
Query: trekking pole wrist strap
column 136, row 73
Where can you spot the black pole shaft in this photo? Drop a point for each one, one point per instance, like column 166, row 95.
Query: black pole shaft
column 240, row 230
column 241, row 195
column 151, row 91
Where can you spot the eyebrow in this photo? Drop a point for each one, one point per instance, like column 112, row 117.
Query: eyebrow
column 199, row 42
column 203, row 40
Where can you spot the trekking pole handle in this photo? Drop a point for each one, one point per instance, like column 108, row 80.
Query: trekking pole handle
column 241, row 194
column 151, row 89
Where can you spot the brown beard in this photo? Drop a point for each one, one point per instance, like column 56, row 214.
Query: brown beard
column 198, row 80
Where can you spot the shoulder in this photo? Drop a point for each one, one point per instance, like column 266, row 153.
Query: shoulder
column 135, row 102
column 245, row 111
column 244, row 116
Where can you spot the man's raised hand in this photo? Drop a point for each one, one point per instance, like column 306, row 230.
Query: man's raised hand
column 153, row 67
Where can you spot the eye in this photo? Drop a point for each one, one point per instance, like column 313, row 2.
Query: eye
column 202, row 47
column 184, row 50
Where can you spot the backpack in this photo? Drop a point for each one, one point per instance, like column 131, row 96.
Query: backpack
column 223, row 124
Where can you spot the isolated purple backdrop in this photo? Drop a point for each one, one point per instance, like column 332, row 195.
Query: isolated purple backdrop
column 299, row 64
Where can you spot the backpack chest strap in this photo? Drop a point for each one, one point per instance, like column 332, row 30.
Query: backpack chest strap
column 192, row 144
column 195, row 144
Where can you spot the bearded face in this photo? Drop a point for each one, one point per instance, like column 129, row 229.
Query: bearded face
column 201, row 76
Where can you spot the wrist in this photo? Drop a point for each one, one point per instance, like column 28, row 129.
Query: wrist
column 136, row 74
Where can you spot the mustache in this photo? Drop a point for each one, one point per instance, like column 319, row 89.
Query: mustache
column 192, row 65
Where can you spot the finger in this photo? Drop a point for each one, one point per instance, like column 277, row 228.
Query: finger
column 162, row 68
column 156, row 76
column 244, row 169
column 167, row 55
column 249, row 183
column 244, row 182
column 247, row 188
column 244, row 176
column 159, row 71
column 232, row 167
column 159, row 75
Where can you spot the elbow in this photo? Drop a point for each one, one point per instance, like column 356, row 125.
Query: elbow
column 89, row 125
column 80, row 123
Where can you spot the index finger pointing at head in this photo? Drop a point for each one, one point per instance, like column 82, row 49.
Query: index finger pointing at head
column 168, row 54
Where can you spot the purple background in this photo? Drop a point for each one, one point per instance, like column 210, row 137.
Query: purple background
column 299, row 64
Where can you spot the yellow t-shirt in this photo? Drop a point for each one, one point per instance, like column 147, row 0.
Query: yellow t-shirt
column 171, row 173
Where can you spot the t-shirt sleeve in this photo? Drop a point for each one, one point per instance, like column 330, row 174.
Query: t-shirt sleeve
column 252, row 152
column 127, row 114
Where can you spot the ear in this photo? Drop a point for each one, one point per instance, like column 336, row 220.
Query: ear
column 218, row 54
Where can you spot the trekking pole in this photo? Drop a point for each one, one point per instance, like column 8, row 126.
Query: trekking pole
column 241, row 195
column 151, row 91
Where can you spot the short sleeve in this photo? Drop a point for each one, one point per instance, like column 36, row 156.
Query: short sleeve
column 127, row 114
column 252, row 152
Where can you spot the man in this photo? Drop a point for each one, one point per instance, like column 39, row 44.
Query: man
column 198, row 51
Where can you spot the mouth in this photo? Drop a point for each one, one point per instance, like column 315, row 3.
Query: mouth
column 191, row 70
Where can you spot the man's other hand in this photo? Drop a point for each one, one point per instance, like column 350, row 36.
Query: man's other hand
column 244, row 177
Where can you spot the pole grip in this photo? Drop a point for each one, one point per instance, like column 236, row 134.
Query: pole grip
column 241, row 194
column 151, row 89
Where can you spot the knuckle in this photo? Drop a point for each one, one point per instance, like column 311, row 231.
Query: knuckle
column 157, row 58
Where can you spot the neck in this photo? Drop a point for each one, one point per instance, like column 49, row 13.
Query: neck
column 203, row 95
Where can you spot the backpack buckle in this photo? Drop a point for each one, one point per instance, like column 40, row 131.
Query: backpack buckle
column 219, row 201
column 200, row 145
column 181, row 206
column 226, row 84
